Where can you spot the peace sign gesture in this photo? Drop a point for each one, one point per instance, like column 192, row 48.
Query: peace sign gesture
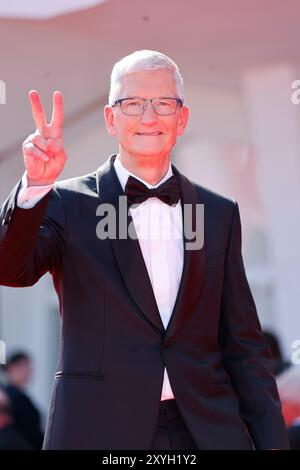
column 43, row 151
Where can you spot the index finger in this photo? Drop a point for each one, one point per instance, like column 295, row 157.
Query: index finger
column 57, row 113
column 38, row 112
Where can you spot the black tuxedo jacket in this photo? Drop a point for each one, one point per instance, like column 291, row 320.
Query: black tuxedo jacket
column 114, row 347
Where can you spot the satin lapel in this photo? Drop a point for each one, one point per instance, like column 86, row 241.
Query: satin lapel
column 127, row 251
column 193, row 274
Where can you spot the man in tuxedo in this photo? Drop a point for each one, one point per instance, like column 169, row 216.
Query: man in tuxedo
column 161, row 346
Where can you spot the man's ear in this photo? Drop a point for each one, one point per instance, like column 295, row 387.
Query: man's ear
column 110, row 120
column 183, row 119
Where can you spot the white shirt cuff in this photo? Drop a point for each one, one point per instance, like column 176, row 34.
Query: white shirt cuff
column 28, row 197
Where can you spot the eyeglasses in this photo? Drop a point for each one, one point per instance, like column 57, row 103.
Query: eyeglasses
column 137, row 106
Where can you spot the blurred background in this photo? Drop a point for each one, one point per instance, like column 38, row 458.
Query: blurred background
column 238, row 59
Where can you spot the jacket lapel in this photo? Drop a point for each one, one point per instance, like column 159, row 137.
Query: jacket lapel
column 127, row 251
column 193, row 273
column 131, row 263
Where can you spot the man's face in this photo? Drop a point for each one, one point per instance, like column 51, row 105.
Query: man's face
column 150, row 134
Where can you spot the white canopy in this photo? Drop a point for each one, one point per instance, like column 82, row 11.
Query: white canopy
column 41, row 10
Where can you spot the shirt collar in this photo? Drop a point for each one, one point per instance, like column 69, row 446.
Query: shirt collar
column 123, row 174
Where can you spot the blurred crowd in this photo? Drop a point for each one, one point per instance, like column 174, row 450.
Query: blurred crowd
column 20, row 420
column 288, row 383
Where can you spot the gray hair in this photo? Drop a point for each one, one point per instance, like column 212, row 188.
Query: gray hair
column 139, row 61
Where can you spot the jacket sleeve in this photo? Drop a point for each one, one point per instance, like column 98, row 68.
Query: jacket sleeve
column 32, row 241
column 245, row 352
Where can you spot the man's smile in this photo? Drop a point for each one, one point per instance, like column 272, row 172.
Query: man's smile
column 149, row 134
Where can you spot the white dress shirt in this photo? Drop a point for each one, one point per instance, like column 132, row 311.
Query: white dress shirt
column 159, row 230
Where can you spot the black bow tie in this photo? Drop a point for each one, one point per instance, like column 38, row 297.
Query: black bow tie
column 137, row 192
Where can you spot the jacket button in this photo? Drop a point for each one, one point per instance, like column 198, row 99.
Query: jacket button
column 167, row 344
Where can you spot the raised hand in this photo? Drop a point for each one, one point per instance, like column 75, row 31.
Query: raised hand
column 43, row 151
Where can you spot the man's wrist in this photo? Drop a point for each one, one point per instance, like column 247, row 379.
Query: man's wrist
column 32, row 191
